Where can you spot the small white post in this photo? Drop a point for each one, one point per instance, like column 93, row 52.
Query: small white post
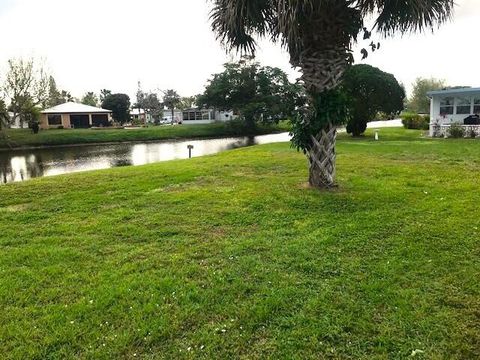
column 376, row 134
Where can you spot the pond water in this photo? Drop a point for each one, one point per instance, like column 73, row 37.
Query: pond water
column 24, row 165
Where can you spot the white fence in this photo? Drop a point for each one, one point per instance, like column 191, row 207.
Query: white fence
column 444, row 130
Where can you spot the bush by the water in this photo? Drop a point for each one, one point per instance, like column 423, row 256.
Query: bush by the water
column 415, row 121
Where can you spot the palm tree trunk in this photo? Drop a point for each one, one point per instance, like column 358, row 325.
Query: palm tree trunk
column 321, row 48
column 322, row 158
column 321, row 73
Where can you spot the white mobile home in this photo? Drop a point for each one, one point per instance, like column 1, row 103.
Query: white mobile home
column 17, row 123
column 177, row 116
column 454, row 106
column 141, row 115
column 205, row 116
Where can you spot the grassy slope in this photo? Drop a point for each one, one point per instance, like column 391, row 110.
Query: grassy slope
column 24, row 137
column 232, row 256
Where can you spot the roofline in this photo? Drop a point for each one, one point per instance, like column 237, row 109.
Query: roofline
column 76, row 112
column 453, row 91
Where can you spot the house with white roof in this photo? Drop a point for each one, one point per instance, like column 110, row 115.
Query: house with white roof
column 141, row 115
column 454, row 106
column 74, row 116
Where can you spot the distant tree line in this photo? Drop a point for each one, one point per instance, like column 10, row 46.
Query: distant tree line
column 255, row 93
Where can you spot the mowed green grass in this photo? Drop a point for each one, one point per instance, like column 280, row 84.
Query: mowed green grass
column 18, row 138
column 233, row 256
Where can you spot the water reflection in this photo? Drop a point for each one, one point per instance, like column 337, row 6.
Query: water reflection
column 23, row 165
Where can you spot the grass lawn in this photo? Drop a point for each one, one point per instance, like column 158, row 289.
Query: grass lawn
column 24, row 137
column 232, row 256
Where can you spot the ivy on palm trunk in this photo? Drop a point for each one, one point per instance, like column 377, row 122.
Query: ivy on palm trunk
column 319, row 35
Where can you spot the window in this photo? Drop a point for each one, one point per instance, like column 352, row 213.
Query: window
column 189, row 115
column 446, row 106
column 55, row 119
column 463, row 106
column 196, row 115
column 476, row 105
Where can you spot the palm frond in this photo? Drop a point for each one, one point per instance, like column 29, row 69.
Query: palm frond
column 407, row 15
column 319, row 34
column 236, row 22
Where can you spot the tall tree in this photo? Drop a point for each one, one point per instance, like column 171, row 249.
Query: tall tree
column 150, row 103
column 140, row 97
column 120, row 106
column 90, row 98
column 153, row 106
column 319, row 35
column 370, row 90
column 171, row 100
column 54, row 95
column 65, row 96
column 419, row 101
column 187, row 102
column 26, row 86
column 256, row 93
column 104, row 93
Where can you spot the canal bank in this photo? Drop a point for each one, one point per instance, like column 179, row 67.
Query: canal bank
column 24, row 139
column 25, row 164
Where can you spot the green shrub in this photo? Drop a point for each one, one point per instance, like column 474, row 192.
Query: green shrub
column 382, row 116
column 237, row 126
column 415, row 121
column 472, row 134
column 456, row 131
column 34, row 125
column 137, row 122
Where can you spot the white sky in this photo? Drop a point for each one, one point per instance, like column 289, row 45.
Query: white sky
column 93, row 44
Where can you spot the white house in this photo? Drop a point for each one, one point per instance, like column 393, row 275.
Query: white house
column 17, row 124
column 205, row 116
column 454, row 106
column 140, row 114
column 177, row 116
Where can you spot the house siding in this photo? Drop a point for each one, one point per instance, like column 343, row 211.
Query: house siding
column 437, row 118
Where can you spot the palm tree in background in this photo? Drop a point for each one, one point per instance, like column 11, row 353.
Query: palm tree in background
column 319, row 35
column 171, row 100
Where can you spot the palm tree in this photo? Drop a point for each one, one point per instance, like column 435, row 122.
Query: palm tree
column 319, row 34
column 171, row 100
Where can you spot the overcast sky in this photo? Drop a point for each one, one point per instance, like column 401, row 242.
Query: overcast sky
column 93, row 44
